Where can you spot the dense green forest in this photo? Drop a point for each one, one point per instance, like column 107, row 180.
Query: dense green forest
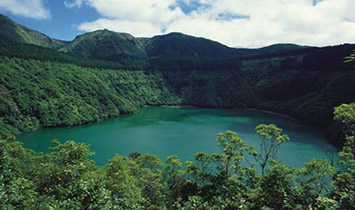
column 37, row 94
column 238, row 177
column 28, row 51
column 36, row 82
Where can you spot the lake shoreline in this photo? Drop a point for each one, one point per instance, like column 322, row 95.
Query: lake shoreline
column 171, row 106
column 173, row 131
column 275, row 113
column 248, row 109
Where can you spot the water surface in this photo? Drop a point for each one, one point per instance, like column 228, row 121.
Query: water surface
column 166, row 131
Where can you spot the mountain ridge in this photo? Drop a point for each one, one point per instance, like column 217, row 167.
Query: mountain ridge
column 114, row 46
column 12, row 31
column 107, row 45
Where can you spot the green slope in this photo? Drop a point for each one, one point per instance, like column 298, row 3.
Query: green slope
column 178, row 46
column 110, row 45
column 35, row 94
column 107, row 45
column 272, row 49
column 27, row 51
column 12, row 31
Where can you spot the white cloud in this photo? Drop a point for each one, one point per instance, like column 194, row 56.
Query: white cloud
column 136, row 28
column 73, row 3
column 27, row 8
column 267, row 22
column 152, row 11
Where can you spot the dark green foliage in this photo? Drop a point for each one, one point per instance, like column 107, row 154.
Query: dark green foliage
column 275, row 190
column 47, row 94
column 345, row 181
column 27, row 51
column 107, row 45
column 313, row 180
column 350, row 58
column 178, row 46
column 305, row 95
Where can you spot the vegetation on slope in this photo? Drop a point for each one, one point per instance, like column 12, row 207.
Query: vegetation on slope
column 107, row 45
column 27, row 51
column 295, row 84
column 36, row 94
column 178, row 46
column 11, row 31
column 66, row 178
column 112, row 46
column 350, row 58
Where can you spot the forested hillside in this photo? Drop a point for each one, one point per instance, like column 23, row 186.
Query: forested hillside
column 305, row 84
column 28, row 51
column 107, row 45
column 120, row 47
column 37, row 94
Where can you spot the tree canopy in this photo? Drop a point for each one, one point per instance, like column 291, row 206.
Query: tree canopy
column 66, row 178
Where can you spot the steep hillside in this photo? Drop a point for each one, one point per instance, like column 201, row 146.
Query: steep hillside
column 110, row 45
column 36, row 94
column 107, row 45
column 27, row 51
column 178, row 46
column 12, row 31
column 124, row 48
column 272, row 49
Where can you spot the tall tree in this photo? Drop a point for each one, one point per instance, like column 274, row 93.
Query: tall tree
column 271, row 138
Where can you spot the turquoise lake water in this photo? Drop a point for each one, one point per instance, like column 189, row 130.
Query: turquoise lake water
column 166, row 131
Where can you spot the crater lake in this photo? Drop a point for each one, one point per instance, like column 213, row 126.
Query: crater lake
column 182, row 131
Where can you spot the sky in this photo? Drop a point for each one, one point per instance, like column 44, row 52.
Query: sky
column 236, row 23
